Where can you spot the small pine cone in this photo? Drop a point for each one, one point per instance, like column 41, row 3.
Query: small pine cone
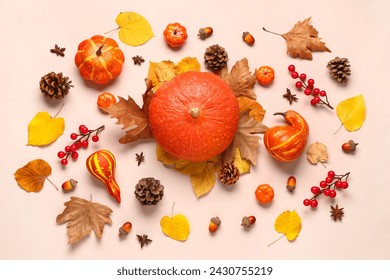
column 229, row 174
column 55, row 85
column 339, row 69
column 149, row 191
column 215, row 57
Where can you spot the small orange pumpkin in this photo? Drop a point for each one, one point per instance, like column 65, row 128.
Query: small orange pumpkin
column 175, row 35
column 99, row 59
column 105, row 100
column 287, row 142
column 194, row 116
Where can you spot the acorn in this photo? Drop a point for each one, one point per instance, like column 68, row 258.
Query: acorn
column 349, row 147
column 205, row 32
column 125, row 229
column 248, row 38
column 248, row 221
column 291, row 183
column 69, row 185
column 215, row 222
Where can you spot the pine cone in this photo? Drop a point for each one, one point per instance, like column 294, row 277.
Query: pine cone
column 229, row 174
column 215, row 57
column 55, row 85
column 149, row 191
column 339, row 69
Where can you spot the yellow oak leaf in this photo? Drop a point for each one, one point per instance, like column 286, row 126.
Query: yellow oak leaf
column 352, row 112
column 176, row 227
column 165, row 71
column 288, row 223
column 256, row 111
column 134, row 29
column 44, row 129
column 31, row 177
column 202, row 174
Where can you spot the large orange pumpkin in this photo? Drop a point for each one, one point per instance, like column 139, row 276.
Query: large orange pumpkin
column 99, row 59
column 287, row 142
column 194, row 116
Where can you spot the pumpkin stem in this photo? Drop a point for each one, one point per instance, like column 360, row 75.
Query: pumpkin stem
column 99, row 51
column 281, row 114
column 195, row 112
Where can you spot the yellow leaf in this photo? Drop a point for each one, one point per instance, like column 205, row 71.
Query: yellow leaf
column 288, row 223
column 188, row 64
column 31, row 177
column 352, row 112
column 177, row 227
column 165, row 70
column 134, row 29
column 202, row 174
column 44, row 129
column 243, row 165
column 256, row 111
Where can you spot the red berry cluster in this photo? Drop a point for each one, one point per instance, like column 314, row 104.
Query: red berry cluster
column 319, row 96
column 328, row 187
column 81, row 141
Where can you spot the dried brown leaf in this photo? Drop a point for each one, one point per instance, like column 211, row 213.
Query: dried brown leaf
column 302, row 39
column 82, row 217
column 240, row 79
column 317, row 152
column 132, row 117
column 245, row 139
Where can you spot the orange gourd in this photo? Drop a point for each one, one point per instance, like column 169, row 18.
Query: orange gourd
column 287, row 142
column 102, row 164
column 194, row 116
column 99, row 59
column 175, row 35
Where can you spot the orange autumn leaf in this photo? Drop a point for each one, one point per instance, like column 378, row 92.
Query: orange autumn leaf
column 32, row 176
column 256, row 111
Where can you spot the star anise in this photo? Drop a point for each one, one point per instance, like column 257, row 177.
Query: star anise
column 140, row 158
column 143, row 239
column 58, row 50
column 336, row 213
column 138, row 60
column 290, row 97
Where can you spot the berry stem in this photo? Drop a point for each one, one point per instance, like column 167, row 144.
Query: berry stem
column 330, row 185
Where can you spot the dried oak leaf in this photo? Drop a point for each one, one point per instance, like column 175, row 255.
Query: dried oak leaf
column 302, row 39
column 133, row 117
column 317, row 152
column 245, row 139
column 83, row 216
column 240, row 80
column 31, row 177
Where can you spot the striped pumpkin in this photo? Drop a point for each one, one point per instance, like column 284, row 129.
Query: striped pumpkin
column 99, row 59
column 101, row 164
column 287, row 142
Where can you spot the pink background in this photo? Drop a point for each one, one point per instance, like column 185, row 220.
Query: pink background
column 352, row 29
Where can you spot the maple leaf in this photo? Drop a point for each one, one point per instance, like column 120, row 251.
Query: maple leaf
column 83, row 216
column 32, row 176
column 302, row 39
column 240, row 79
column 245, row 139
column 133, row 117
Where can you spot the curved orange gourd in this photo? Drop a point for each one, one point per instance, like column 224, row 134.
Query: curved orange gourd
column 99, row 59
column 102, row 164
column 194, row 116
column 287, row 142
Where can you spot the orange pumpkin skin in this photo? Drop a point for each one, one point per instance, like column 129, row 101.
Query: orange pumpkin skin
column 194, row 116
column 287, row 142
column 99, row 59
